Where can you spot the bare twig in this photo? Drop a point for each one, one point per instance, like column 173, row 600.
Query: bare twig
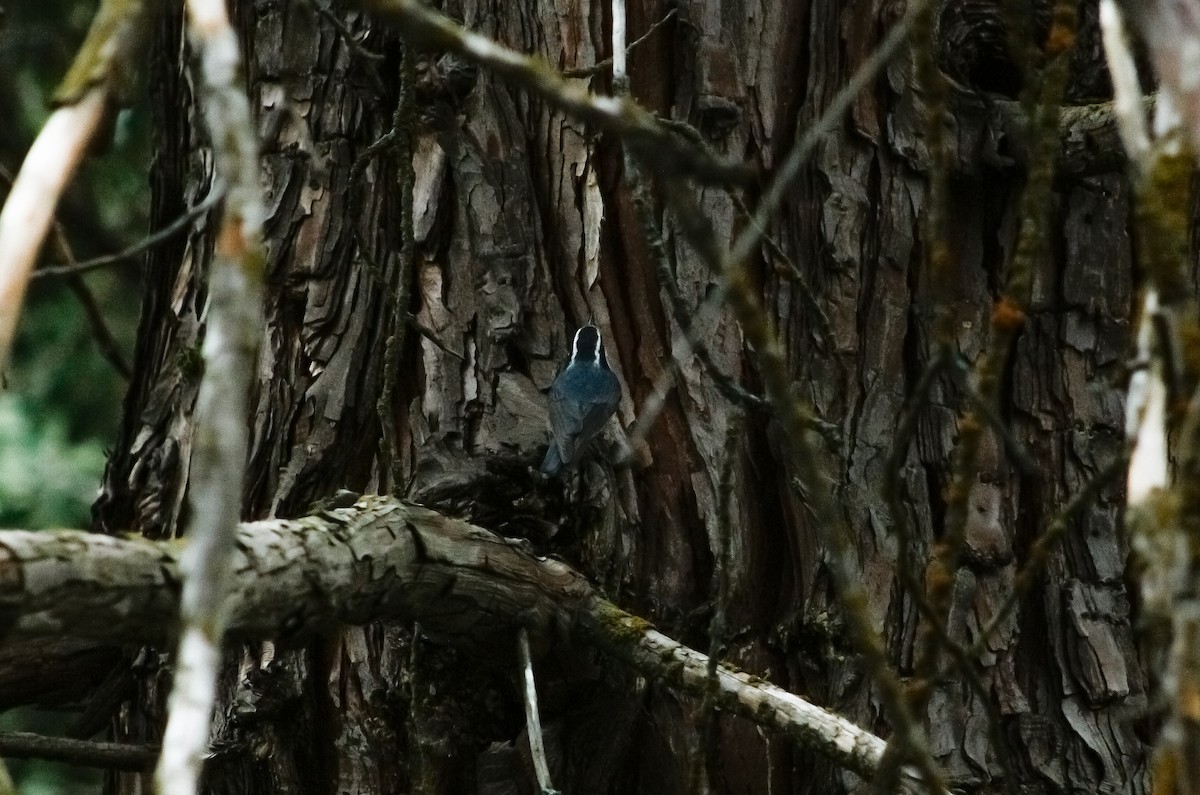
column 107, row 344
column 599, row 66
column 795, row 420
column 401, row 267
column 620, row 115
column 787, row 173
column 533, row 722
column 686, row 343
column 347, row 35
column 820, row 320
column 180, row 224
column 235, row 319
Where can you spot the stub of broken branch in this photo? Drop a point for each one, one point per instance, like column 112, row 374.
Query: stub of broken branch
column 378, row 560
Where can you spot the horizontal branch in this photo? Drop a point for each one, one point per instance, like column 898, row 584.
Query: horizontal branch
column 83, row 753
column 1089, row 136
column 378, row 560
column 996, row 132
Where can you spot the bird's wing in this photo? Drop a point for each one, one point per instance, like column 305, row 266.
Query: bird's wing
column 566, row 418
column 576, row 423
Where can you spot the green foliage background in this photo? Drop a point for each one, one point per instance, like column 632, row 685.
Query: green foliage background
column 61, row 401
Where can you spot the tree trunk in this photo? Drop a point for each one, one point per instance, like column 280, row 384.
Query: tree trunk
column 524, row 228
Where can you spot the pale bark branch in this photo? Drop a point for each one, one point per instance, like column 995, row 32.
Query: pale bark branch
column 98, row 78
column 381, row 559
column 1163, row 502
column 620, row 79
column 27, row 214
column 533, row 721
column 607, row 63
column 235, row 321
column 1127, row 91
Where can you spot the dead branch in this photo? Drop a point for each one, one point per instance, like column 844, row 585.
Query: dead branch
column 234, row 325
column 636, row 126
column 378, row 560
column 176, row 227
column 98, row 78
column 84, row 753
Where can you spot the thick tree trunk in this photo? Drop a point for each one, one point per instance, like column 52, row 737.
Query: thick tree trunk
column 524, row 228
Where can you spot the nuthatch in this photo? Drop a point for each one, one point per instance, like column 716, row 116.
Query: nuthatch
column 582, row 398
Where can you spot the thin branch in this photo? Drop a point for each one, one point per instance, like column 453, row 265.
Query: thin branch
column 1128, row 105
column 533, row 722
column 687, row 342
column 107, row 344
column 81, row 753
column 599, row 66
column 401, row 268
column 347, row 35
column 830, row 118
column 793, row 274
column 235, row 320
column 432, row 336
column 619, row 115
column 180, row 224
column 796, row 420
column 739, row 693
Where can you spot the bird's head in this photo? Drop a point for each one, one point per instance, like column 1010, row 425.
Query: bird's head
column 588, row 348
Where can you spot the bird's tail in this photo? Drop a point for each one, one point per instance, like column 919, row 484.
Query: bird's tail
column 552, row 464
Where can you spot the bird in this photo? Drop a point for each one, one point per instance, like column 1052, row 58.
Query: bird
column 582, row 398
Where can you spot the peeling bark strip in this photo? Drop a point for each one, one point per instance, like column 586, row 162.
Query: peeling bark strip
column 381, row 559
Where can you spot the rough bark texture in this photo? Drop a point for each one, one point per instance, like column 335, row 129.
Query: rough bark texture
column 378, row 560
column 523, row 230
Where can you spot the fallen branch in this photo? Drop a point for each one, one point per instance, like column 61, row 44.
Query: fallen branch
column 82, row 753
column 379, row 560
